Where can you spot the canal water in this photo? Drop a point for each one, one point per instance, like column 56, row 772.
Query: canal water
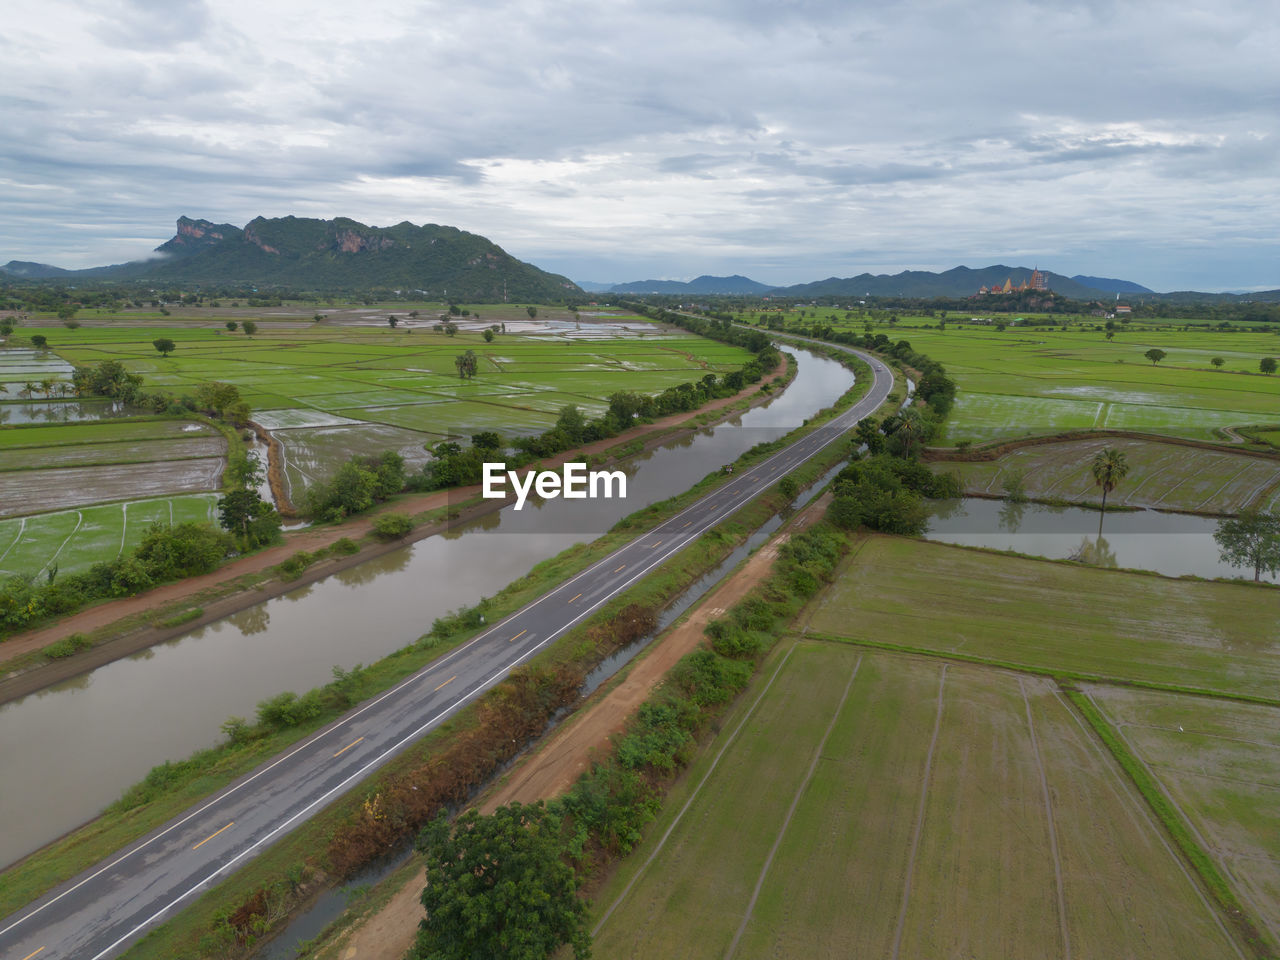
column 1174, row 544
column 76, row 746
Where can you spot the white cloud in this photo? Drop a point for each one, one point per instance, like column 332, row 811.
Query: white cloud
column 786, row 141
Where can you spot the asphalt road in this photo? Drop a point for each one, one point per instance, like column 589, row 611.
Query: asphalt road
column 99, row 913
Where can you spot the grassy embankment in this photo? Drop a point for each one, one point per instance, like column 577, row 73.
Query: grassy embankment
column 179, row 785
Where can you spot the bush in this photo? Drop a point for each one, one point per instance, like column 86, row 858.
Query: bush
column 392, row 526
column 344, row 547
column 67, row 646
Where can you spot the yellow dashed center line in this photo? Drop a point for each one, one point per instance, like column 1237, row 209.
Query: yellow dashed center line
column 656, row 544
column 33, row 953
column 211, row 836
column 512, row 640
column 689, row 524
column 446, row 683
column 621, row 568
column 347, row 747
column 573, row 598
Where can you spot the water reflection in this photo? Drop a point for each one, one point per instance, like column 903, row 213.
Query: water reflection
column 1096, row 552
column 370, row 570
column 251, row 621
column 1011, row 515
column 1174, row 544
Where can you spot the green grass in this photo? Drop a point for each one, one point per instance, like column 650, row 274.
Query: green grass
column 1216, row 766
column 77, row 539
column 1214, row 637
column 1164, row 475
column 1038, row 380
column 837, row 883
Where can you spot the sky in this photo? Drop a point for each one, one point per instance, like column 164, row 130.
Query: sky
column 786, row 140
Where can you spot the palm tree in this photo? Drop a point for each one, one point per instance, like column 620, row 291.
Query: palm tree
column 1109, row 468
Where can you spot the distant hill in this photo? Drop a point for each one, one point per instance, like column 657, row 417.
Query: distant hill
column 595, row 286
column 333, row 254
column 1107, row 285
column 33, row 271
column 956, row 282
column 706, row 285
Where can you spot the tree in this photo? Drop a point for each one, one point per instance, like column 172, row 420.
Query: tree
column 1155, row 355
column 40, row 341
column 1217, row 362
column 1267, row 365
column 249, row 327
column 250, row 518
column 488, row 337
column 1109, row 468
column 392, row 321
column 231, row 325
column 1250, row 540
column 164, row 345
column 467, row 364
column 531, row 311
column 497, row 886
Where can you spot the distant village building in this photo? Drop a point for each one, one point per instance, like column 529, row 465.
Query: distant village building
column 1123, row 308
column 1037, row 281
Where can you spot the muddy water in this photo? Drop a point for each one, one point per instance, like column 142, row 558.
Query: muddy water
column 1174, row 544
column 75, row 747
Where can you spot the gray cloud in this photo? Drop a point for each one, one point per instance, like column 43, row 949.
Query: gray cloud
column 782, row 140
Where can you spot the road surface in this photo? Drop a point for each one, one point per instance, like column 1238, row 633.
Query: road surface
column 101, row 912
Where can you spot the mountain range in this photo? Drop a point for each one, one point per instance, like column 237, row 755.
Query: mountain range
column 442, row 262
column 957, row 282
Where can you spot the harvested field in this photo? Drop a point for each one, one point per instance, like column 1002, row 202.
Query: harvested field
column 1211, row 636
column 1220, row 764
column 1164, row 475
column 885, row 806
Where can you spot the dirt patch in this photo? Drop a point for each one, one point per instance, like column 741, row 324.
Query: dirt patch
column 135, row 636
column 554, row 766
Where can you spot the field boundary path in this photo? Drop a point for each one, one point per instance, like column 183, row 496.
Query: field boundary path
column 97, row 914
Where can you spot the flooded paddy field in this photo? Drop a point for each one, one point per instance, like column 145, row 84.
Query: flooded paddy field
column 77, row 539
column 1164, row 475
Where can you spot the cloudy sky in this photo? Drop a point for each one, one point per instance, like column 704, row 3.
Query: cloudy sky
column 787, row 140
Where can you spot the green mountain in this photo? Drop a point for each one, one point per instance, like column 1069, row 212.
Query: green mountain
column 338, row 254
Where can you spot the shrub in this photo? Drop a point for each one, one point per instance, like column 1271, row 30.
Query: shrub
column 392, row 526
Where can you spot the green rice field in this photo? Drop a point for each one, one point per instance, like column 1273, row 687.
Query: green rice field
column 864, row 804
column 77, row 539
column 1163, row 475
column 1031, row 381
column 1042, row 615
column 1220, row 765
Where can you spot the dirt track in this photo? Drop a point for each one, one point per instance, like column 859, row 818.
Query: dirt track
column 554, row 766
